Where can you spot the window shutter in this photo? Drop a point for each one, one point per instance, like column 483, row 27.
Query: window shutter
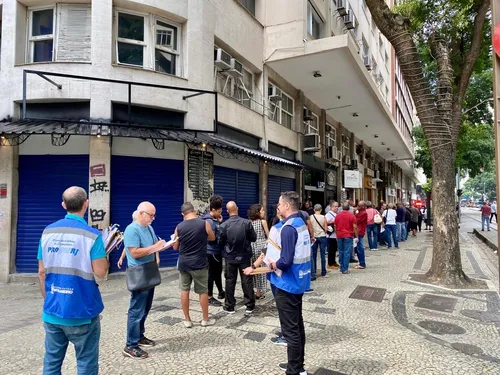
column 75, row 33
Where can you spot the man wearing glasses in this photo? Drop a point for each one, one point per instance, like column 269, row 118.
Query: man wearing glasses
column 140, row 243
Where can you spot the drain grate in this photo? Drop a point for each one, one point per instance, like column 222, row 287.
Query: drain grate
column 437, row 303
column 368, row 293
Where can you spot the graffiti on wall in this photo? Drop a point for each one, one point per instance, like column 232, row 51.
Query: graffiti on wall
column 98, row 195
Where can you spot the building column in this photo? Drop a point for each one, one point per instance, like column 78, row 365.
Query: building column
column 99, row 182
column 9, row 184
column 263, row 183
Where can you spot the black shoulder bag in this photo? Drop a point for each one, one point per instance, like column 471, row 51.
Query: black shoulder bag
column 143, row 276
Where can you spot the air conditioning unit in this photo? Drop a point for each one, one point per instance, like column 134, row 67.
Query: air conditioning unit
column 349, row 21
column 274, row 94
column 311, row 142
column 341, row 7
column 222, row 59
column 339, row 155
column 308, row 115
column 236, row 69
column 354, row 164
column 367, row 60
column 346, row 160
column 331, row 152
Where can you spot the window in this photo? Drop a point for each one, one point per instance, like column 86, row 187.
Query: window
column 331, row 135
column 249, row 5
column 146, row 41
column 70, row 32
column 244, row 88
column 41, row 34
column 282, row 110
column 314, row 22
column 311, row 126
column 366, row 46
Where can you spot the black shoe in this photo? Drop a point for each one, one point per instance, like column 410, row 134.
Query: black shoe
column 249, row 311
column 212, row 301
column 310, row 290
column 313, row 278
column 283, row 366
column 228, row 311
column 137, row 353
column 222, row 295
column 353, row 260
column 146, row 342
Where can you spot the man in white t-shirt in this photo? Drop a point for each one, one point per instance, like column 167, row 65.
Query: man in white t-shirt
column 332, row 237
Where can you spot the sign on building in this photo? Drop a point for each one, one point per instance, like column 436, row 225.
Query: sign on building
column 352, row 180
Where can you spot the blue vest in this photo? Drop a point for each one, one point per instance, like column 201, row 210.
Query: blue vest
column 72, row 292
column 297, row 278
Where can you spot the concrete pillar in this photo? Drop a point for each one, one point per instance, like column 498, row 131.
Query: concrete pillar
column 299, row 128
column 9, row 183
column 99, row 182
column 322, row 133
column 263, row 183
column 340, row 173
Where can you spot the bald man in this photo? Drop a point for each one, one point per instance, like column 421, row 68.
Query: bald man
column 69, row 254
column 236, row 236
column 141, row 243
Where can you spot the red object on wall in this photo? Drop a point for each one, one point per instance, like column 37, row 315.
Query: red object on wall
column 496, row 40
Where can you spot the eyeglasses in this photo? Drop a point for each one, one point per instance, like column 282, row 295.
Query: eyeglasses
column 152, row 216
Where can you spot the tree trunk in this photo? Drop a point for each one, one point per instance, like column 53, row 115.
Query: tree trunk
column 446, row 265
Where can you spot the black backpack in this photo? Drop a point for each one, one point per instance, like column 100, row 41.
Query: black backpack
column 408, row 215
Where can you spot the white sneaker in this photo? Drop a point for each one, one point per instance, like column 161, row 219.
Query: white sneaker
column 207, row 323
column 188, row 324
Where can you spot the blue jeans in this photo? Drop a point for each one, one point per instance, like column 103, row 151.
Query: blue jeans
column 400, row 227
column 85, row 338
column 345, row 250
column 372, row 233
column 391, row 230
column 322, row 242
column 140, row 304
column 485, row 219
column 361, row 251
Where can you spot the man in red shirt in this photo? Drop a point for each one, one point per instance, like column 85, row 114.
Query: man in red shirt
column 362, row 221
column 346, row 228
column 485, row 215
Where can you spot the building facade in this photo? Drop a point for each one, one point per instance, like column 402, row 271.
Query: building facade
column 176, row 100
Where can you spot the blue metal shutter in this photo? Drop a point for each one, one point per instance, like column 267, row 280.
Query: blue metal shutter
column 239, row 186
column 42, row 180
column 159, row 181
column 276, row 185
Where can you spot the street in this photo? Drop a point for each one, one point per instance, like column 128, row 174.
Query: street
column 347, row 335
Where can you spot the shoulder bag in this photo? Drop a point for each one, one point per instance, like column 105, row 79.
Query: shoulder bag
column 377, row 219
column 143, row 276
column 321, row 226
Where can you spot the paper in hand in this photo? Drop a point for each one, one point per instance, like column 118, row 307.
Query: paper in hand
column 168, row 244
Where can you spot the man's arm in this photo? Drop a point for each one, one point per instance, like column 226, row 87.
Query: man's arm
column 289, row 238
column 210, row 232
column 176, row 243
column 132, row 242
column 355, row 228
column 98, row 257
column 41, row 277
column 310, row 228
column 222, row 236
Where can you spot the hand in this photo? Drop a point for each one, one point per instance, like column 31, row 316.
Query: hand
column 160, row 244
column 261, row 257
column 119, row 264
column 356, row 241
column 247, row 271
column 219, row 219
column 272, row 266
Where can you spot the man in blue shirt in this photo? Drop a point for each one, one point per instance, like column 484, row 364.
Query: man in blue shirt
column 69, row 254
column 291, row 280
column 140, row 243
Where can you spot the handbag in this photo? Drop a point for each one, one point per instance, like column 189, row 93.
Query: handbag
column 377, row 219
column 143, row 276
column 321, row 226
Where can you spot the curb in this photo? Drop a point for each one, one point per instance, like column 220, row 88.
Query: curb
column 485, row 239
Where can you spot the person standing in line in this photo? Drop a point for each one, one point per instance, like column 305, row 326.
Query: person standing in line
column 214, row 255
column 382, row 233
column 362, row 221
column 140, row 243
column 389, row 217
column 371, row 227
column 70, row 253
column 423, row 213
column 494, row 212
column 420, row 219
column 193, row 234
column 256, row 215
column 294, row 267
column 236, row 236
column 400, row 222
column 320, row 229
column 414, row 220
column 332, row 237
column 346, row 228
column 485, row 215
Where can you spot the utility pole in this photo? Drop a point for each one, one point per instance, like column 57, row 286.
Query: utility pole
column 495, row 24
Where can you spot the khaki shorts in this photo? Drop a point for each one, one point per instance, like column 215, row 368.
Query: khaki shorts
column 200, row 278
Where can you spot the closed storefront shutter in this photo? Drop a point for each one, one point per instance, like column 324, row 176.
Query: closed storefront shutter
column 42, row 180
column 277, row 185
column 239, row 186
column 159, row 181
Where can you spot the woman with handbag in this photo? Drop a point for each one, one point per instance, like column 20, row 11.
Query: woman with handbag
column 256, row 215
column 319, row 225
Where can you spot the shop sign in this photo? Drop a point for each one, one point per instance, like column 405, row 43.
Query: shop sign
column 352, row 180
column 3, row 191
column 368, row 182
column 391, row 192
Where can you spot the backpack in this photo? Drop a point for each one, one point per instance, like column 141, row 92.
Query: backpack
column 407, row 215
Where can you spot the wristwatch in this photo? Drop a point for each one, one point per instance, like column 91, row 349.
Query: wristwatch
column 254, row 267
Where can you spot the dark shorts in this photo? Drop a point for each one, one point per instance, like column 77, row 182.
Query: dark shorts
column 199, row 277
column 413, row 226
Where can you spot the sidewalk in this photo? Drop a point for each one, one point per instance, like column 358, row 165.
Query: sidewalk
column 408, row 328
column 489, row 238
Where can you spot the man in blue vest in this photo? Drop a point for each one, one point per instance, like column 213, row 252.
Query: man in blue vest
column 69, row 254
column 291, row 279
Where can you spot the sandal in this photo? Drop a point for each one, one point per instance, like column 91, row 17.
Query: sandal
column 358, row 267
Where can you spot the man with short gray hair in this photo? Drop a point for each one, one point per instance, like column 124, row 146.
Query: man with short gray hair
column 69, row 254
